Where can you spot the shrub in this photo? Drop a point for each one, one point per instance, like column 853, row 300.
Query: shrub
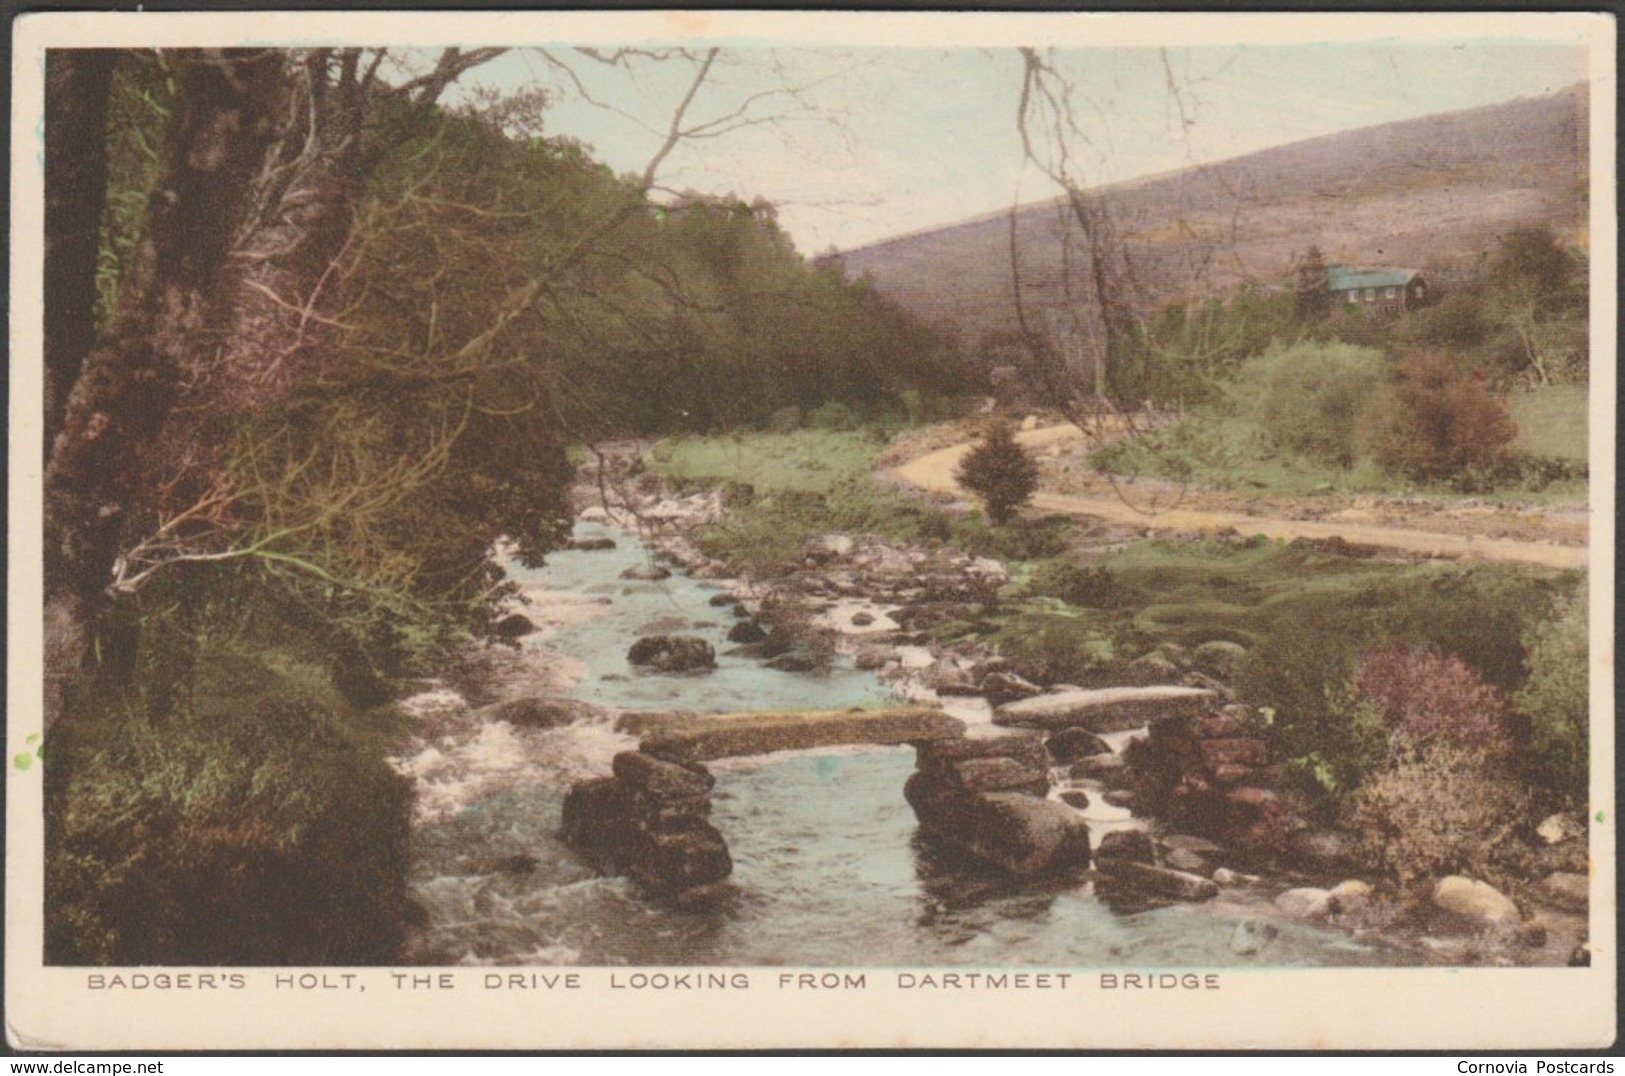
column 1442, row 810
column 999, row 471
column 1020, row 539
column 1480, row 614
column 1314, row 398
column 1441, row 422
column 1426, row 697
column 1556, row 700
column 1050, row 648
column 1300, row 673
column 1075, row 584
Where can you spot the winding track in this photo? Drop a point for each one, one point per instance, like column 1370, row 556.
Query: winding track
column 935, row 472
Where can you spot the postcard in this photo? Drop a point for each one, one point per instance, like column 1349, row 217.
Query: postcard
column 683, row 530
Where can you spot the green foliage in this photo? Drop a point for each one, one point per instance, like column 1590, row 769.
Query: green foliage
column 1181, row 356
column 1056, row 648
column 139, row 104
column 1556, row 699
column 1310, row 299
column 1309, row 653
column 218, row 801
column 1016, row 540
column 1316, row 418
column 1076, row 584
column 1522, row 319
column 999, row 471
column 1441, row 422
column 1313, row 398
column 1480, row 613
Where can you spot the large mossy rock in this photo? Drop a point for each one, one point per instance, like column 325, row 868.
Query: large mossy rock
column 258, row 823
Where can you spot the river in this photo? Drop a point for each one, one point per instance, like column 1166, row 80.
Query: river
column 829, row 867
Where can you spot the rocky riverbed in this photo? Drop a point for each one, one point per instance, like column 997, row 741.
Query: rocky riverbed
column 1167, row 785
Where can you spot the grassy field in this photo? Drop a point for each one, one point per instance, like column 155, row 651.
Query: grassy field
column 1232, row 452
column 1552, row 421
column 806, row 461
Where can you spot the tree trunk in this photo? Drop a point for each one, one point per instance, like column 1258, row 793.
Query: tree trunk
column 171, row 327
column 76, row 89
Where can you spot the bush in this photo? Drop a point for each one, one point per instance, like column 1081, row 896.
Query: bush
column 1020, row 539
column 1314, row 398
column 1426, row 697
column 1075, row 584
column 999, row 471
column 1556, row 700
column 1481, row 614
column 1439, row 811
column 1441, row 422
column 1050, row 648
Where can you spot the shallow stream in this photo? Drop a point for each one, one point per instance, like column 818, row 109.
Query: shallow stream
column 827, row 861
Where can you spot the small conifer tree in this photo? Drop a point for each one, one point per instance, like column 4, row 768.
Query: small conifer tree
column 1000, row 472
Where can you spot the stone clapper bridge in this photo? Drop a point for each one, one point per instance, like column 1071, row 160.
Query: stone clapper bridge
column 981, row 790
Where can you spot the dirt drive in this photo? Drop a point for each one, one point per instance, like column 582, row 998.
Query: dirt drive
column 1553, row 540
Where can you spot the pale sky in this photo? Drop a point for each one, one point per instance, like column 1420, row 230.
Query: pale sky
column 884, row 141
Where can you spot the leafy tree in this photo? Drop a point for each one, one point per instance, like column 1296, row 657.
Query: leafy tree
column 999, row 471
column 1442, row 421
column 1311, row 300
column 1556, row 699
column 1314, row 398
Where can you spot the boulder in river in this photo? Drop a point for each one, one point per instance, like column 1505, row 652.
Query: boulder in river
column 1134, row 844
column 1000, row 686
column 661, row 778
column 514, row 626
column 1567, row 890
column 672, row 862
column 1020, row 833
column 1157, row 881
column 647, row 573
column 1071, row 745
column 673, row 653
column 940, row 756
column 1252, row 935
column 799, row 659
column 535, row 713
column 590, row 545
column 1000, row 775
column 746, row 631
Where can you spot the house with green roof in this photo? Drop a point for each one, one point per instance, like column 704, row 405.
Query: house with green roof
column 1378, row 288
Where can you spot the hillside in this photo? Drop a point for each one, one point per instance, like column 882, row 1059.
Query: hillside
column 1431, row 193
